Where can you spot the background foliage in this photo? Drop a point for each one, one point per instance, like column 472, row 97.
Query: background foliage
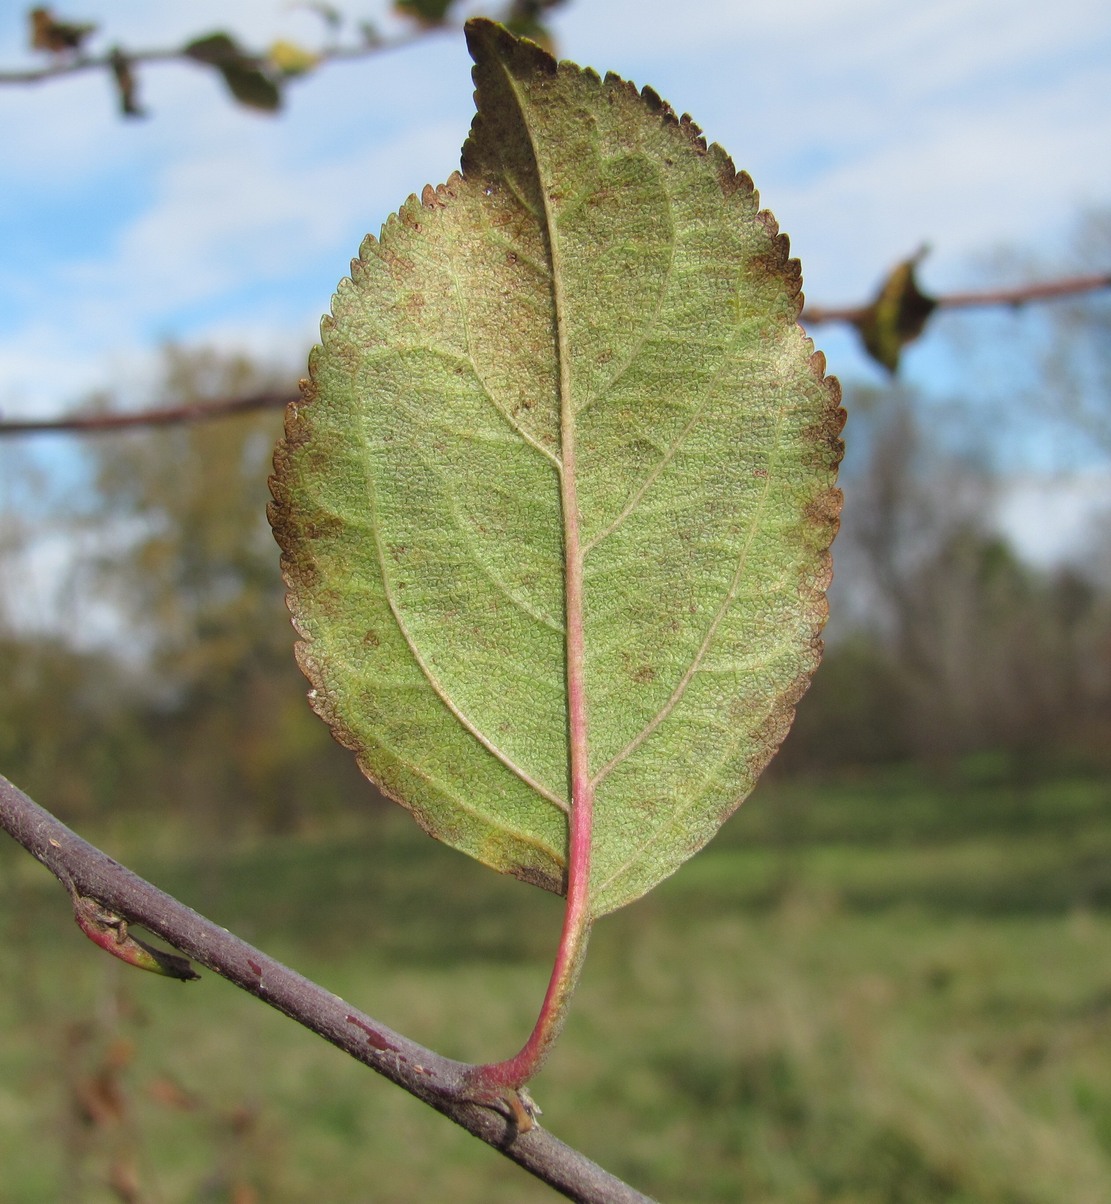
column 901, row 939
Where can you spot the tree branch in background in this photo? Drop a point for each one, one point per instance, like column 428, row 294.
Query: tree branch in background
column 197, row 411
column 886, row 324
column 282, row 63
column 1024, row 294
column 898, row 313
column 92, row 876
column 255, row 80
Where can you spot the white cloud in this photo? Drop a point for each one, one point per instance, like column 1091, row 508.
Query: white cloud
column 233, row 218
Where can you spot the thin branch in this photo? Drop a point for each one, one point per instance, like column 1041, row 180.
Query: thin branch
column 93, row 424
column 436, row 1080
column 60, row 67
column 198, row 411
column 1023, row 294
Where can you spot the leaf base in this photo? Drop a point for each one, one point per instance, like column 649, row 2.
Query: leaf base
column 516, row 1103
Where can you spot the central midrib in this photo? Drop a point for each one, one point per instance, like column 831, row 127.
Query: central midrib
column 582, row 790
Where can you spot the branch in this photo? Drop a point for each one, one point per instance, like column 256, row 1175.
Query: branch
column 436, row 1080
column 196, row 411
column 1048, row 290
column 224, row 407
column 60, row 67
column 270, row 70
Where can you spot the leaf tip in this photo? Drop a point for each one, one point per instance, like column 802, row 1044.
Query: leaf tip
column 488, row 39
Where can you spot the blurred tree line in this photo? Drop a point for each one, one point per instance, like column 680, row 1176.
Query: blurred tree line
column 159, row 675
column 944, row 640
column 187, row 697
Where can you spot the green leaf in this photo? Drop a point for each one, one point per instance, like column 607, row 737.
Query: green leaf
column 575, row 363
column 897, row 316
column 427, row 12
column 214, row 48
column 242, row 74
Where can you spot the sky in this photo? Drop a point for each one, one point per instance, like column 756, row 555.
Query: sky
column 870, row 128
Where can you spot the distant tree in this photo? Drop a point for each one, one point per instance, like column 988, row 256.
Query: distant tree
column 946, row 641
column 1077, row 357
column 190, row 693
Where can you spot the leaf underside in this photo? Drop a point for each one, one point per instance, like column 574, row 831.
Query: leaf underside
column 596, row 278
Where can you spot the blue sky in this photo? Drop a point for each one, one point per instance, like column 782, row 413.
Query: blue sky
column 869, row 126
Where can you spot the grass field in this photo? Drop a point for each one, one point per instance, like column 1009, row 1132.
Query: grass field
column 871, row 991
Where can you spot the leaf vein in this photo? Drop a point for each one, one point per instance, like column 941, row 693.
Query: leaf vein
column 487, row 391
column 464, row 526
column 441, row 691
column 648, row 482
column 462, row 802
column 648, row 326
column 688, row 676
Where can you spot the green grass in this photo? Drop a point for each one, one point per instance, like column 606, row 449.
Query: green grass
column 871, row 991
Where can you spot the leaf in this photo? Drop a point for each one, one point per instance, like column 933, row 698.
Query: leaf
column 245, row 79
column 897, row 316
column 214, row 49
column 429, row 13
column 126, row 84
column 289, row 59
column 576, row 364
column 525, row 19
column 57, row 37
column 528, row 26
column 111, row 932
